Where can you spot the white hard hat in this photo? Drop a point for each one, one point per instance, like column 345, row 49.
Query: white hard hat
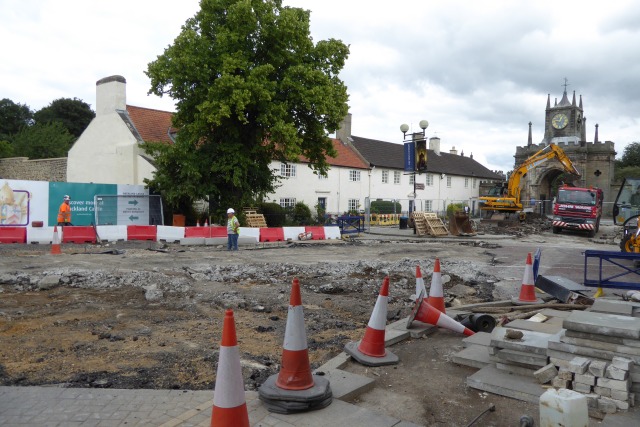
column 66, row 197
column 230, row 210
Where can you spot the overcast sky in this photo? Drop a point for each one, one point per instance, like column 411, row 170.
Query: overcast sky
column 478, row 71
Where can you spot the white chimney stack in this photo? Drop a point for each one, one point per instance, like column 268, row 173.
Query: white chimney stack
column 111, row 95
column 434, row 145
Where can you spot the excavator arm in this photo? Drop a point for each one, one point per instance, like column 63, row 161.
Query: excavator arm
column 511, row 201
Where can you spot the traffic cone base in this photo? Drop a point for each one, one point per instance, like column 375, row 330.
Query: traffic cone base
column 425, row 313
column 436, row 293
column 528, row 289
column 282, row 401
column 352, row 348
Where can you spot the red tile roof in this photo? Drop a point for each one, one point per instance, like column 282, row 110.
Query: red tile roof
column 151, row 124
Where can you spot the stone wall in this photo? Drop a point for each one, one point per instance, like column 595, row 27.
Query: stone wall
column 21, row 168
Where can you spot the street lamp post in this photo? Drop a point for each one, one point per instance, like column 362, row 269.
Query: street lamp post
column 420, row 158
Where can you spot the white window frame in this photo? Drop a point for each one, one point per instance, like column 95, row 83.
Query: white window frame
column 287, row 170
column 428, row 205
column 354, row 175
column 353, row 205
column 412, row 179
column 466, row 182
column 448, row 182
column 287, row 202
column 397, row 177
column 429, row 180
column 385, row 177
column 475, row 183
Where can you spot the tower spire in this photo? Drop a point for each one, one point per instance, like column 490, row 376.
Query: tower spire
column 595, row 139
column 580, row 102
column 573, row 102
column 548, row 101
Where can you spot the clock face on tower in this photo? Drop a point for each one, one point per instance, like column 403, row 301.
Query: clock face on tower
column 559, row 121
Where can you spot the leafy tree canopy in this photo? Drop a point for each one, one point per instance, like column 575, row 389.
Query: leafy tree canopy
column 631, row 156
column 13, row 117
column 43, row 141
column 6, row 149
column 74, row 114
column 251, row 87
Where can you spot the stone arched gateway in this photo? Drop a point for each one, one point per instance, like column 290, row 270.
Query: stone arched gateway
column 565, row 126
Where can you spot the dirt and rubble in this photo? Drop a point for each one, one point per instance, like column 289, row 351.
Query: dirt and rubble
column 149, row 315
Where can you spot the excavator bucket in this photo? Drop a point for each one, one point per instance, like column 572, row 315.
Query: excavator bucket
column 460, row 225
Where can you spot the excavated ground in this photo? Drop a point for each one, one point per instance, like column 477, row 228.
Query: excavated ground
column 145, row 315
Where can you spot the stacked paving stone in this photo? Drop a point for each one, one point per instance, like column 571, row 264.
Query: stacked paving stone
column 598, row 354
column 518, row 352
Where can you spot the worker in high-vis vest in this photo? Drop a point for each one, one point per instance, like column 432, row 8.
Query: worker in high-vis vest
column 64, row 212
column 233, row 229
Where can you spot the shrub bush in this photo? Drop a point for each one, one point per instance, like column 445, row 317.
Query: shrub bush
column 385, row 207
column 274, row 214
column 301, row 214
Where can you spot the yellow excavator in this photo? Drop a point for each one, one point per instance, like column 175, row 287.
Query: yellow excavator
column 509, row 200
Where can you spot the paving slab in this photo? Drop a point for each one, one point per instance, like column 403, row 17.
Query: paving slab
column 552, row 312
column 475, row 356
column 479, row 338
column 603, row 338
column 31, row 406
column 603, row 324
column 600, row 345
column 622, row 308
column 547, row 327
column 556, row 344
column 524, row 358
column 533, row 342
column 499, row 382
column 346, row 385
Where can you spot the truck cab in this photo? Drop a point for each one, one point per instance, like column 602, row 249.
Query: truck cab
column 578, row 208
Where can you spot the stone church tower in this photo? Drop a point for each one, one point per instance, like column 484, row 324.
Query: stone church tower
column 565, row 126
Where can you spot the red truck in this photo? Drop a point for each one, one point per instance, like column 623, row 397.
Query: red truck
column 577, row 208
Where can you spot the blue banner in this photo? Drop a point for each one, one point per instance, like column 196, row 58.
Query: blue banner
column 409, row 157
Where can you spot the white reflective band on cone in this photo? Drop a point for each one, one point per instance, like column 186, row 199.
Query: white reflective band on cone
column 378, row 318
column 295, row 337
column 229, row 379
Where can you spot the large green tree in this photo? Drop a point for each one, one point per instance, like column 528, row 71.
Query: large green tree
column 250, row 87
column 13, row 117
column 42, row 141
column 74, row 114
column 629, row 164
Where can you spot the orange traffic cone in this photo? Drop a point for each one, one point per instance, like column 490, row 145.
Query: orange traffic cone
column 229, row 404
column 206, row 222
column 197, row 223
column 294, row 389
column 55, row 242
column 295, row 373
column 528, row 289
column 420, row 289
column 425, row 313
column 370, row 351
column 436, row 293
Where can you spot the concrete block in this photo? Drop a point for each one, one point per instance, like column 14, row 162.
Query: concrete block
column 603, row 324
column 597, row 368
column 601, row 345
column 620, row 395
column 560, row 383
column 616, row 373
column 581, row 388
column 614, row 384
column 338, row 362
column 579, row 365
column 607, row 405
column 556, row 345
column 622, row 363
column 602, row 391
column 584, row 379
column 192, row 241
column 592, row 400
column 531, row 342
column 565, row 374
column 546, row 373
column 550, row 312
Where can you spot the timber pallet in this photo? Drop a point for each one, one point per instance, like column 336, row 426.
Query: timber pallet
column 429, row 223
column 255, row 220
